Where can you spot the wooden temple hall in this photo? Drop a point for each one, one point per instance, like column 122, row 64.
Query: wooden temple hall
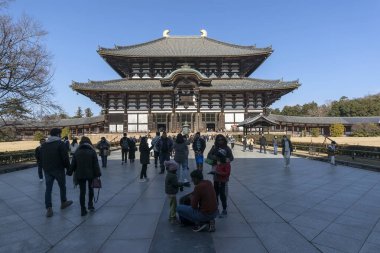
column 177, row 80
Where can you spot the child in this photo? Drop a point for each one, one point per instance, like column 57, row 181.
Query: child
column 171, row 187
column 221, row 177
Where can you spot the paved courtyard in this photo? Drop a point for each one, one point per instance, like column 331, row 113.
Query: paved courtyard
column 311, row 207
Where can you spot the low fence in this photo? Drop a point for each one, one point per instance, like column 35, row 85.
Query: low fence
column 16, row 157
column 350, row 151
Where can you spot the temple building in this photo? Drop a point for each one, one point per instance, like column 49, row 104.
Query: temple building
column 174, row 80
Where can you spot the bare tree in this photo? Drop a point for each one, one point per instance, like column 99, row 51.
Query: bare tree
column 25, row 69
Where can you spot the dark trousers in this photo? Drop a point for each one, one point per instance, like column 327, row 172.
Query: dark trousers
column 104, row 160
column 156, row 155
column 163, row 157
column 220, row 190
column 40, row 174
column 232, row 145
column 124, row 155
column 49, row 181
column 82, row 194
column 143, row 171
column 265, row 149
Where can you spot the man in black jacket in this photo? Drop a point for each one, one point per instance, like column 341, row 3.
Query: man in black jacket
column 55, row 159
column 37, row 155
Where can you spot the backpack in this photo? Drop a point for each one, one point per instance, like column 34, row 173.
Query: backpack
column 124, row 144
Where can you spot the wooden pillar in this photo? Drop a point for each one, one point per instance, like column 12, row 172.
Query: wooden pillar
column 151, row 126
column 292, row 129
column 221, row 121
column 125, row 116
column 106, row 115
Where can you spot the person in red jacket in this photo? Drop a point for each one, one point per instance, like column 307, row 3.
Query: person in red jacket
column 221, row 176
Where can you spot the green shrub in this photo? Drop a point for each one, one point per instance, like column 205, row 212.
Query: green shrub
column 315, row 132
column 38, row 136
column 66, row 132
column 336, row 130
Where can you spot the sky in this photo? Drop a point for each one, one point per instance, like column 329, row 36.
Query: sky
column 332, row 47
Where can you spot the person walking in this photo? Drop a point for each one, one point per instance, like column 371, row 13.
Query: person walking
column 67, row 143
column 232, row 142
column 104, row 150
column 73, row 146
column 251, row 142
column 155, row 150
column 263, row 143
column 37, row 155
column 287, row 150
column 181, row 154
column 275, row 145
column 132, row 149
column 144, row 158
column 244, row 141
column 55, row 159
column 331, row 150
column 124, row 144
column 164, row 147
column 199, row 146
column 85, row 165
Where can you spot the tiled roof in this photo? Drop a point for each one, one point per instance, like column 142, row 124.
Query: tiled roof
column 258, row 119
column 155, row 85
column 61, row 122
column 324, row 120
column 185, row 46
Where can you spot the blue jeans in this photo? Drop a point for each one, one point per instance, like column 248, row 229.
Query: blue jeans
column 163, row 157
column 49, row 180
column 183, row 171
column 104, row 160
column 194, row 215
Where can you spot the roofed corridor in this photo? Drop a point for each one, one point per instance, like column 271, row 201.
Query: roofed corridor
column 311, row 207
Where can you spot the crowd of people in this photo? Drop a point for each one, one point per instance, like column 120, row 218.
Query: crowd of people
column 198, row 208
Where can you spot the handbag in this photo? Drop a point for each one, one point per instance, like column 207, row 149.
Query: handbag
column 96, row 184
column 210, row 161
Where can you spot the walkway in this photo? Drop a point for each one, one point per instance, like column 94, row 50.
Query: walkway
column 311, row 207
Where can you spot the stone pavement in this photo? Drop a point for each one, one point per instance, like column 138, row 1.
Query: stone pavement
column 311, row 207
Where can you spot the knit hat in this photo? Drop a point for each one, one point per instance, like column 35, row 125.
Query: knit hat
column 171, row 165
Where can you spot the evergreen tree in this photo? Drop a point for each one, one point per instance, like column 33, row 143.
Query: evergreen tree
column 79, row 113
column 88, row 113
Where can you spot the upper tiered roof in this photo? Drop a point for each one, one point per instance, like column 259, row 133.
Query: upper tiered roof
column 169, row 51
column 184, row 46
